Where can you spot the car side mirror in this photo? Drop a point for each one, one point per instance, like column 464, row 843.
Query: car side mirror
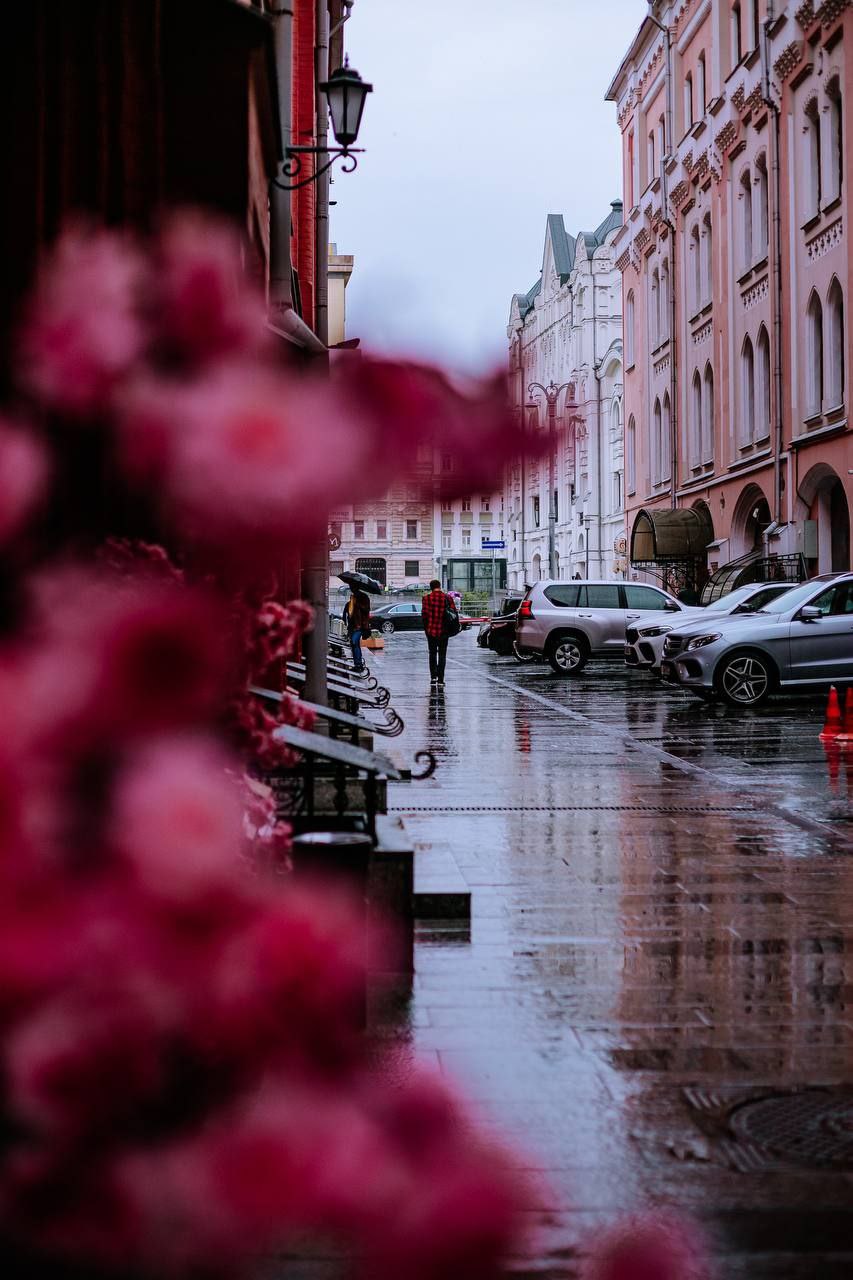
column 810, row 613
column 672, row 607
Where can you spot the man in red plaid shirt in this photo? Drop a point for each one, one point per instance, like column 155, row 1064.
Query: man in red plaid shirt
column 432, row 612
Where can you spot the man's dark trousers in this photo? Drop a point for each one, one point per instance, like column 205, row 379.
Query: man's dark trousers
column 437, row 655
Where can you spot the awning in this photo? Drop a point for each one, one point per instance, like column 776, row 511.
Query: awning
column 670, row 535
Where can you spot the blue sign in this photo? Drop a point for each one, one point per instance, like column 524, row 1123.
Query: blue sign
column 490, row 545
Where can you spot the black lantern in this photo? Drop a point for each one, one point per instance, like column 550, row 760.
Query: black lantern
column 346, row 93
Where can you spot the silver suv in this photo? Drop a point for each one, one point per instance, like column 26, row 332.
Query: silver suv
column 571, row 622
column 801, row 640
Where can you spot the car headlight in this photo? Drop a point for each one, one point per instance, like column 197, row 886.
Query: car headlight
column 654, row 631
column 699, row 642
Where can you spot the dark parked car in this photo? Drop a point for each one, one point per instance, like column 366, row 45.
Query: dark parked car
column 396, row 617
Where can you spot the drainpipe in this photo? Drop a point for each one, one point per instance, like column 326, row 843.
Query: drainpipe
column 280, row 293
column 321, row 209
column 776, row 249
column 596, row 369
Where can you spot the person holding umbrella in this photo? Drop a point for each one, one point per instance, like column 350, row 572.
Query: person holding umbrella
column 356, row 617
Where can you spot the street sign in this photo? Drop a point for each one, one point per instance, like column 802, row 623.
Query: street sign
column 334, row 542
column 492, row 544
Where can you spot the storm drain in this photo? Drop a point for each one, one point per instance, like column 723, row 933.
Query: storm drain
column 570, row 808
column 807, row 1128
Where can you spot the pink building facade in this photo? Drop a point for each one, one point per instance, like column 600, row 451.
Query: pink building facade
column 737, row 150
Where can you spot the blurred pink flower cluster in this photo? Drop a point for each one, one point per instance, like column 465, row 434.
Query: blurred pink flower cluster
column 185, row 1082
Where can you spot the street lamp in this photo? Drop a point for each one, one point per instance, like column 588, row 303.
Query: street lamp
column 551, row 394
column 346, row 94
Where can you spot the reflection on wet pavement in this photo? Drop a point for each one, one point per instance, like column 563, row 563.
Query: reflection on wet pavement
column 660, row 926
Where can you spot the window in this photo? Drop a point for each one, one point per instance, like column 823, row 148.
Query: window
column 762, row 393
column 735, row 40
column 657, row 419
column 761, row 207
column 745, row 220
column 813, row 163
column 335, row 528
column 747, row 392
column 358, row 530
column 411, row 529
column 665, row 450
column 556, row 500
column 565, row 595
column 485, row 504
column 814, row 356
column 650, row 156
column 702, row 84
column 661, row 145
column 629, row 176
column 629, row 329
column 696, row 269
column 381, row 530
column 617, row 491
column 446, row 539
column 654, row 308
column 466, row 504
column 707, row 441
column 536, row 510
column 466, row 537
column 599, row 595
column 708, row 259
column 835, row 345
column 688, row 101
column 631, row 455
column 411, row 568
column 835, row 150
column 664, row 299
column 446, row 504
column 696, row 422
column 638, row 597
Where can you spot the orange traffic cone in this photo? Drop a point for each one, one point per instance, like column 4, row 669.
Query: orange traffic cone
column 832, row 725
column 845, row 737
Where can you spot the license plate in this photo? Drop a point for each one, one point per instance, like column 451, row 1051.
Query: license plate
column 667, row 670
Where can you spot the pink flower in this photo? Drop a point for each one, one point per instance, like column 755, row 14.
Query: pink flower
column 177, row 818
column 82, row 332
column 651, row 1246
column 205, row 308
column 246, row 455
column 24, row 468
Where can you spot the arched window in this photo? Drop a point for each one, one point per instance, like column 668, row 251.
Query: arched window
column 665, row 450
column 708, row 253
column 813, row 160
column 756, row 25
column 696, row 269
column 735, row 45
column 688, row 101
column 656, row 443
column 835, row 345
column 629, row 329
column 762, row 398
column 814, row 356
column 835, row 139
column 702, row 84
column 631, row 456
column 747, row 392
column 664, row 299
column 650, row 156
column 761, row 207
column 654, row 308
column 746, row 220
column 696, row 422
column 708, row 416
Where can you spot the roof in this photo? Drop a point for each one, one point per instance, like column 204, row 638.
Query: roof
column 564, row 248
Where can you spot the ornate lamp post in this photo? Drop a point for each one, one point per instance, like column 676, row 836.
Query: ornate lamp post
column 346, row 94
column 551, row 394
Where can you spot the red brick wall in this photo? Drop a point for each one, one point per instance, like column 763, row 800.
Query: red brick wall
column 304, row 117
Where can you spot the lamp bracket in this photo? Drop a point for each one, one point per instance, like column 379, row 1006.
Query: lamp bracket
column 292, row 166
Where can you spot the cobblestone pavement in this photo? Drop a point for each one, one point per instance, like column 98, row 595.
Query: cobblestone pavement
column 660, row 938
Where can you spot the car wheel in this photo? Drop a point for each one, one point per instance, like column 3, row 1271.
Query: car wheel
column 387, row 628
column 523, row 655
column 567, row 655
column 744, row 679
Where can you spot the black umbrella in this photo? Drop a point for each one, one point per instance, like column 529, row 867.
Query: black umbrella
column 363, row 581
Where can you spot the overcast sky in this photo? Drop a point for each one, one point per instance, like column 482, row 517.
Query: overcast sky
column 486, row 116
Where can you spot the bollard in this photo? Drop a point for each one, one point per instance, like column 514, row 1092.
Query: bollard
column 344, row 856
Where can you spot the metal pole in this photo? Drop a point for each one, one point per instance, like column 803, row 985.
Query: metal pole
column 552, row 481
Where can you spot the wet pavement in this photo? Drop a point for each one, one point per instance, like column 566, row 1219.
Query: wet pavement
column 661, row 925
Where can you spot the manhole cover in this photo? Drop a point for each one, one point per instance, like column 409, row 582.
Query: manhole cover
column 812, row 1128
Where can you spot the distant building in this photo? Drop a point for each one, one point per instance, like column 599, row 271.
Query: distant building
column 736, row 268
column 567, row 330
column 462, row 525
column 340, row 270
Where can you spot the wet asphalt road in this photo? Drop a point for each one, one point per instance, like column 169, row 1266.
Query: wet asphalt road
column 661, row 926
